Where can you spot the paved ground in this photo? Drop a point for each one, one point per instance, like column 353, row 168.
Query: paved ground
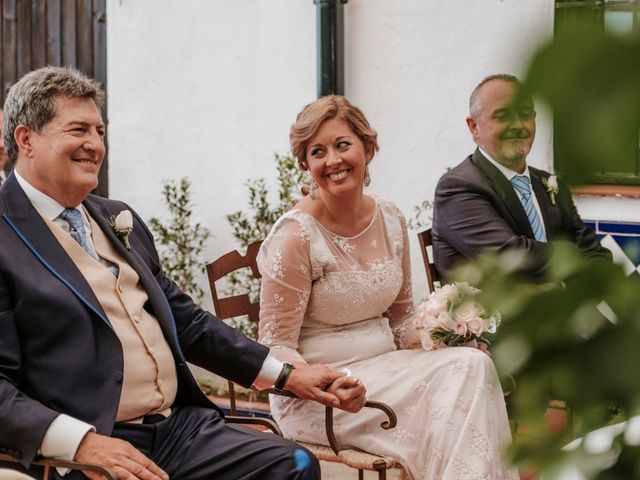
column 334, row 471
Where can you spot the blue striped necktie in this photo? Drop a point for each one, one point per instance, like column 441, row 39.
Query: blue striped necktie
column 521, row 184
column 76, row 229
column 79, row 233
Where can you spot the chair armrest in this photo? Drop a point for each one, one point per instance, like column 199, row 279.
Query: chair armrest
column 391, row 421
column 49, row 463
column 265, row 422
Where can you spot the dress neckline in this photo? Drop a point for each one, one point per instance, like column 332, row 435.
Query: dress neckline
column 364, row 230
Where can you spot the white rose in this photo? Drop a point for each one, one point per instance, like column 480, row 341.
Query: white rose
column 467, row 311
column 446, row 321
column 435, row 305
column 124, row 222
column 448, row 292
column 552, row 182
column 476, row 326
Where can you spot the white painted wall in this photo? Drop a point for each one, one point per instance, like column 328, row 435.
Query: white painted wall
column 209, row 88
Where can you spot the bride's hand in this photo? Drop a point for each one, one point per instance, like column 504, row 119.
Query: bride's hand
column 351, row 393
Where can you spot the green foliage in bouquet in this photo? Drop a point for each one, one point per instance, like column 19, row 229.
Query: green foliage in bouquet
column 181, row 241
column 255, row 222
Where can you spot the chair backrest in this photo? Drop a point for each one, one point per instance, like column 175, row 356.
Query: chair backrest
column 425, row 240
column 236, row 305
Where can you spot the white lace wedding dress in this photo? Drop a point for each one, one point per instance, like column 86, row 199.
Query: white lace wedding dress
column 346, row 302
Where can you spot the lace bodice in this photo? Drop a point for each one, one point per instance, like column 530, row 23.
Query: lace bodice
column 314, row 281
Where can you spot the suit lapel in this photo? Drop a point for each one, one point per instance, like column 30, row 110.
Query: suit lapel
column 29, row 226
column 513, row 211
column 551, row 215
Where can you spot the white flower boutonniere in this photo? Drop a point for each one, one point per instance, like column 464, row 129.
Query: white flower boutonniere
column 122, row 224
column 551, row 186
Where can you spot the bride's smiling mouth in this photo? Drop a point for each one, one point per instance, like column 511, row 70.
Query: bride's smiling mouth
column 336, row 176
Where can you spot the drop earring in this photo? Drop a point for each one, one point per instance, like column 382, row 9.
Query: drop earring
column 313, row 191
column 367, row 177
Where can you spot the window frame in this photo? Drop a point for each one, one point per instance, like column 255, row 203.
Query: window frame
column 625, row 182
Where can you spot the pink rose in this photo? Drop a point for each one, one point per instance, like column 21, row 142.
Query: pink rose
column 461, row 328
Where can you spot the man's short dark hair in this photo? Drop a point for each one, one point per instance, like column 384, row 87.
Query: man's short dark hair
column 474, row 100
column 31, row 100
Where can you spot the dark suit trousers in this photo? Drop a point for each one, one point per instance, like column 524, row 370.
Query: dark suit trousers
column 197, row 444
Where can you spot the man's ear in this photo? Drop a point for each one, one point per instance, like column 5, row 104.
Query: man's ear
column 473, row 127
column 23, row 136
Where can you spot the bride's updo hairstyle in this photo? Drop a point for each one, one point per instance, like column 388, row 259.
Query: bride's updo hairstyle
column 326, row 108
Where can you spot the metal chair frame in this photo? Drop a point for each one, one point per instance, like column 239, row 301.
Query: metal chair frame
column 238, row 305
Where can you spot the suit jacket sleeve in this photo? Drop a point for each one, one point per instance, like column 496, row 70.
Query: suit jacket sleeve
column 205, row 340
column 470, row 220
column 583, row 237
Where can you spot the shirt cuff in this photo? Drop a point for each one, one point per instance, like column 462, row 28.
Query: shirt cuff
column 269, row 372
column 62, row 439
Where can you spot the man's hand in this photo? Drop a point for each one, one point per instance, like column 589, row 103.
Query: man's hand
column 351, row 393
column 310, row 381
column 120, row 457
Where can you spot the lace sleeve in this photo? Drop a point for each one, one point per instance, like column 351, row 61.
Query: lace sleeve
column 400, row 313
column 285, row 265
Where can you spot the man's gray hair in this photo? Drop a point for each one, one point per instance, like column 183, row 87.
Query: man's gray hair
column 31, row 100
column 474, row 100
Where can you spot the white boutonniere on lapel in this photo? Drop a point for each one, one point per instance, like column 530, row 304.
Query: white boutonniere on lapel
column 551, row 186
column 122, row 225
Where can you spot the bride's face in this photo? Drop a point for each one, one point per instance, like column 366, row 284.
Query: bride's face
column 336, row 158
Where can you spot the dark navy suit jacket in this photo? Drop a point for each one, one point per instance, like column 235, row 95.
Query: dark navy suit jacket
column 476, row 208
column 58, row 352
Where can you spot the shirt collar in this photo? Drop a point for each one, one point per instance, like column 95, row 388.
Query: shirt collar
column 507, row 172
column 46, row 206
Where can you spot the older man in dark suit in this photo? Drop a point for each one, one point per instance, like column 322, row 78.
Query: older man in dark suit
column 94, row 338
column 493, row 200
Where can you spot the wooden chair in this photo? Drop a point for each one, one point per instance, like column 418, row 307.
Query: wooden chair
column 50, row 463
column 238, row 305
column 426, row 241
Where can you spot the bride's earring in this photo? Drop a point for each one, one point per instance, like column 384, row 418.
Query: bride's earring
column 367, row 177
column 313, row 191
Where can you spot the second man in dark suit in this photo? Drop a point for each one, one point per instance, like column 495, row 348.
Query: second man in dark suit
column 493, row 200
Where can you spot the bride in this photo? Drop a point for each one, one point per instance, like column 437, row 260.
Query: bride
column 336, row 290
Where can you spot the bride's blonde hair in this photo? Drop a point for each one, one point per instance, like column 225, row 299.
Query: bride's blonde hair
column 326, row 108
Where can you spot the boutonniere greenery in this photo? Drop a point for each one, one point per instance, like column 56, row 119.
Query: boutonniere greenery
column 122, row 225
column 551, row 186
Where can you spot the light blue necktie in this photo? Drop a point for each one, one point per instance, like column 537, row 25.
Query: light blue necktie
column 521, row 184
column 76, row 228
column 77, row 231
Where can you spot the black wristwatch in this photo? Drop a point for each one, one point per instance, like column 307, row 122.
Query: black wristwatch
column 281, row 381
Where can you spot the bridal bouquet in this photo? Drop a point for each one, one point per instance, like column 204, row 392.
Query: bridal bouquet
column 451, row 317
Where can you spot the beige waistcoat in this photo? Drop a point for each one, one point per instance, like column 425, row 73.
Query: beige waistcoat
column 150, row 381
